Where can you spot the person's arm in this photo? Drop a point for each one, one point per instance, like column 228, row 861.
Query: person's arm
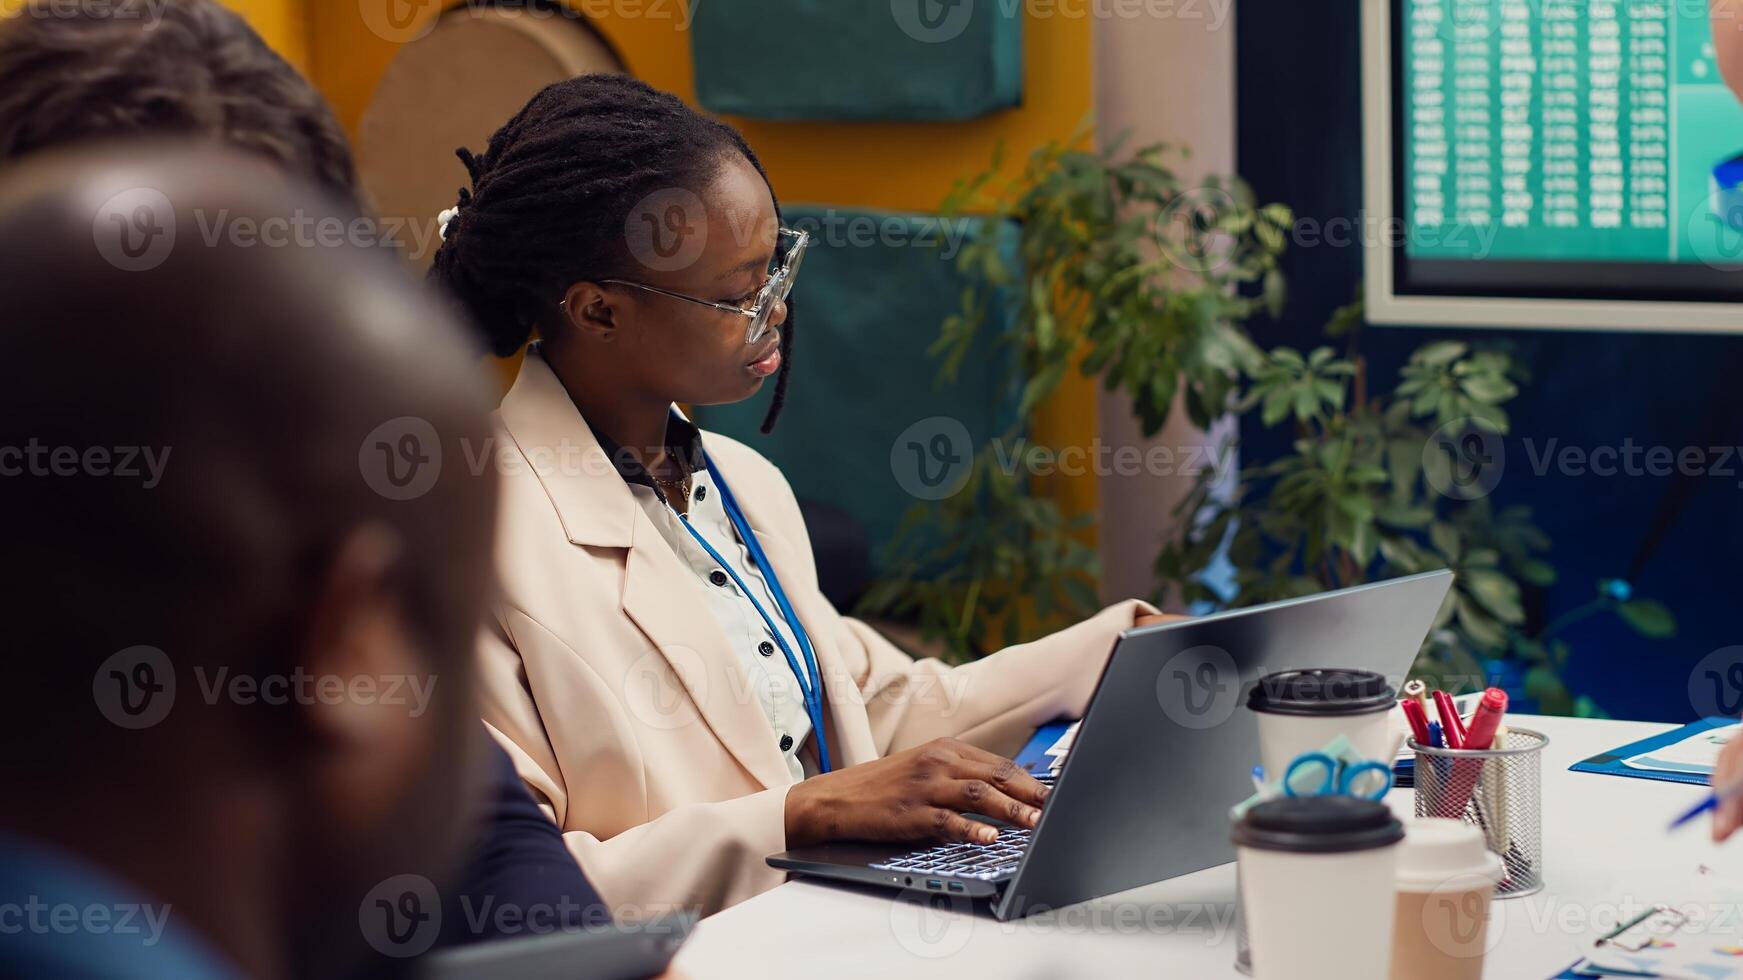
column 1726, row 17
column 707, row 855
column 700, row 857
column 995, row 703
column 1728, row 772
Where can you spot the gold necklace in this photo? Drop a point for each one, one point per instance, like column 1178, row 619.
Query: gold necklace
column 680, row 486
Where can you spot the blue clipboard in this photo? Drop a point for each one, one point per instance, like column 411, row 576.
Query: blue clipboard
column 1610, row 763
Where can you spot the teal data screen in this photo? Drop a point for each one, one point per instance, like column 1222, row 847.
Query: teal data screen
column 1565, row 131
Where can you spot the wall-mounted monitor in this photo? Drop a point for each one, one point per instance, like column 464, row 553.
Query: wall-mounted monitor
column 1550, row 163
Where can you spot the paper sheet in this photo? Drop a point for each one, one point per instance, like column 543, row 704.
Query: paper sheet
column 1057, row 751
column 1708, row 946
column 1675, row 957
column 1698, row 753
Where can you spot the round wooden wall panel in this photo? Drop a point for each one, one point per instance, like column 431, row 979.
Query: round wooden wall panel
column 454, row 87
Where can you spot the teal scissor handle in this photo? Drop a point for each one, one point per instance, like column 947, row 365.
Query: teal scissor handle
column 1328, row 770
column 1347, row 784
column 1338, row 778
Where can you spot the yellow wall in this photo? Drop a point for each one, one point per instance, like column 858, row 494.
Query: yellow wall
column 907, row 166
column 283, row 23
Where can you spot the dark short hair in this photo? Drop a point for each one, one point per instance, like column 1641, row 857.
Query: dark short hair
column 185, row 445
column 162, row 69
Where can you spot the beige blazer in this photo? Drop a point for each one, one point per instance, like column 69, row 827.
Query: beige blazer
column 620, row 700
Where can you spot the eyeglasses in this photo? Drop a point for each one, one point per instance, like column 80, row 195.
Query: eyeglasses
column 789, row 252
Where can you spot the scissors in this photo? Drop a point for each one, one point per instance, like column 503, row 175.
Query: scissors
column 1340, row 778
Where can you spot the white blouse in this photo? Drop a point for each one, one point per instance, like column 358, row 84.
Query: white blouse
column 772, row 682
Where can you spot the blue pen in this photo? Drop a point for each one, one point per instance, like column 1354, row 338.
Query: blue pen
column 1435, row 741
column 1710, row 803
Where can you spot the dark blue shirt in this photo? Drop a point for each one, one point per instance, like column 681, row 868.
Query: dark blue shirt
column 520, row 878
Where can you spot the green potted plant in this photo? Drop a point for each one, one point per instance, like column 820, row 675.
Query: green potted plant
column 1367, row 491
column 1146, row 280
column 1125, row 270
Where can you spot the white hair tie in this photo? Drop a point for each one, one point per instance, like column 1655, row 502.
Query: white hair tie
column 442, row 221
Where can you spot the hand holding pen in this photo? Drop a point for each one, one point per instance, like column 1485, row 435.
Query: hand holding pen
column 1727, row 799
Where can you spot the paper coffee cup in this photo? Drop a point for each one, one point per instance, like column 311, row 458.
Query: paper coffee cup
column 1301, row 710
column 1316, row 880
column 1446, row 880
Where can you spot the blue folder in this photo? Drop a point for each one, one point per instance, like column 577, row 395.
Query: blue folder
column 1033, row 758
column 1610, row 763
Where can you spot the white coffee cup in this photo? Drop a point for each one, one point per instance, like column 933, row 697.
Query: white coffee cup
column 1446, row 880
column 1316, row 878
column 1302, row 710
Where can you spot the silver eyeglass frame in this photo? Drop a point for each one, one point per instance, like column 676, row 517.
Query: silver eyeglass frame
column 774, row 290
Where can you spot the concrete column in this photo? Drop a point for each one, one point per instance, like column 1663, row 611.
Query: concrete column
column 1160, row 79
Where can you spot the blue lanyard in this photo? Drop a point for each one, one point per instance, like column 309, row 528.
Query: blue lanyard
column 809, row 677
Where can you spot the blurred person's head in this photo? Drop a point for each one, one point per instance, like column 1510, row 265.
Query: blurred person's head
column 598, row 187
column 188, row 69
column 246, row 558
column 367, row 602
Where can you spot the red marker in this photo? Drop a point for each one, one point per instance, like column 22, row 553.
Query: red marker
column 1452, row 727
column 1417, row 718
column 1486, row 719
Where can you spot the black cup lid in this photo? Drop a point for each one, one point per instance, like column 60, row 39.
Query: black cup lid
column 1318, row 825
column 1322, row 691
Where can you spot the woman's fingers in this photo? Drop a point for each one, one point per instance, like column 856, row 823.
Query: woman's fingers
column 982, row 797
column 951, row 827
column 1724, row 821
column 1729, row 814
column 1004, row 775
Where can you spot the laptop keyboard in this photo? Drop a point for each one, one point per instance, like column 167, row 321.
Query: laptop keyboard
column 983, row 862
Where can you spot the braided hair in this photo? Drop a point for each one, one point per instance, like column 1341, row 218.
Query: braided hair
column 551, row 193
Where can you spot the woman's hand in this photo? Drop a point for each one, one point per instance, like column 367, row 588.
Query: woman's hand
column 1729, row 770
column 919, row 794
column 1728, row 42
column 1152, row 620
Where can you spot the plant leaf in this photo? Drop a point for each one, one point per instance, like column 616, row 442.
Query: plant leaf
column 1648, row 618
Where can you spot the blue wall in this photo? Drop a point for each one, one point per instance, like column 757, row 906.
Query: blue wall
column 1678, row 540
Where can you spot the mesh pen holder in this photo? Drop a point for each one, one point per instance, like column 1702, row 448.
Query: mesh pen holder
column 1497, row 790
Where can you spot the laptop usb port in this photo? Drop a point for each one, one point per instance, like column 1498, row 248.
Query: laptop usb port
column 934, row 884
column 956, row 886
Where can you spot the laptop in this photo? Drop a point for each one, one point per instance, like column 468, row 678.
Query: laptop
column 1165, row 749
column 615, row 952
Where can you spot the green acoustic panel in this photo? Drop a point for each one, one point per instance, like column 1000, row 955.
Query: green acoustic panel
column 867, row 305
column 857, row 59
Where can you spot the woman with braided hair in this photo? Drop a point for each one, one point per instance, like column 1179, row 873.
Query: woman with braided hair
column 673, row 686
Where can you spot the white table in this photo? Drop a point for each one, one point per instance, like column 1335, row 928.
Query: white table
column 1606, row 854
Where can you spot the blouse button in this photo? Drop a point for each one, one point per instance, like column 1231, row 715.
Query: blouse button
column 701, row 493
column 717, row 576
column 786, row 742
column 766, row 648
